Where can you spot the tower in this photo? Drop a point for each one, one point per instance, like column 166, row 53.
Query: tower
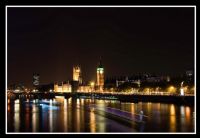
column 100, row 77
column 56, row 87
column 77, row 74
column 36, row 81
column 77, row 80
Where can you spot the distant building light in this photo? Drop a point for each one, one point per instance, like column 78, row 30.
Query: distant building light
column 182, row 92
column 92, row 84
column 17, row 90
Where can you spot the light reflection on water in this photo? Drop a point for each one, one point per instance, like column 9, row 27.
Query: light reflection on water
column 172, row 118
column 16, row 116
column 73, row 115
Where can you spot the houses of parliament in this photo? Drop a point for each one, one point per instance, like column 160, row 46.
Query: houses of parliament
column 76, row 85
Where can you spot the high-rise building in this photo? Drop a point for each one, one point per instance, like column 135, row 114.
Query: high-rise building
column 36, row 80
column 100, row 77
column 77, row 74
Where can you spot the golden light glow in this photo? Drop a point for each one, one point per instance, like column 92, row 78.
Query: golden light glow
column 92, row 122
column 78, row 102
column 65, row 115
column 92, row 84
column 84, row 89
column 132, row 108
column 172, row 123
column 185, row 89
column 65, row 87
column 147, row 90
column 77, row 73
column 171, row 89
column 100, row 79
column 172, row 118
column 187, row 112
column 172, row 110
column 8, row 108
column 78, row 125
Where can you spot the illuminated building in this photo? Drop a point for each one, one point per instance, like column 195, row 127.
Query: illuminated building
column 66, row 87
column 100, row 77
column 56, row 87
column 77, row 74
column 36, row 78
column 84, row 89
column 63, row 87
column 77, row 79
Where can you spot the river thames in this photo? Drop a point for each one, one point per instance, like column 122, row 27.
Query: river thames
column 79, row 115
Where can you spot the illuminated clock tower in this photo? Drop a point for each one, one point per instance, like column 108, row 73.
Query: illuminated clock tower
column 100, row 77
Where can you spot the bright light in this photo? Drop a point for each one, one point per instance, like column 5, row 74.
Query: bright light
column 182, row 92
column 172, row 89
column 100, row 69
column 17, row 90
column 92, row 83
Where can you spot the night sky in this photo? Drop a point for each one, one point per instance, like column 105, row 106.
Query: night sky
column 49, row 41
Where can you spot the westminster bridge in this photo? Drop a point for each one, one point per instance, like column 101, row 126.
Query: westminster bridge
column 124, row 97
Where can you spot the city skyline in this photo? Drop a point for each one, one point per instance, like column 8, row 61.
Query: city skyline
column 102, row 69
column 50, row 41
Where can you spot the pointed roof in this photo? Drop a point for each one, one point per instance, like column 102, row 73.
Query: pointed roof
column 100, row 64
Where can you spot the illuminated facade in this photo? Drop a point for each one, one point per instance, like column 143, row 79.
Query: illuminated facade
column 77, row 74
column 100, row 77
column 84, row 89
column 64, row 87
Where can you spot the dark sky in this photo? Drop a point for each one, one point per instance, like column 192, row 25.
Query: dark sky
column 49, row 41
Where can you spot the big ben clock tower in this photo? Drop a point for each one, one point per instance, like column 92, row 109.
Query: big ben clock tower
column 100, row 77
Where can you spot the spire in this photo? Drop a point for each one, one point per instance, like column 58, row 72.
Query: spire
column 100, row 63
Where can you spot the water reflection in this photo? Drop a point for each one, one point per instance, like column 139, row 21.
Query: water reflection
column 172, row 118
column 27, row 118
column 92, row 122
column 35, row 118
column 51, row 118
column 74, row 115
column 100, row 118
column 65, row 115
column 78, row 115
column 132, row 108
column 17, row 115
